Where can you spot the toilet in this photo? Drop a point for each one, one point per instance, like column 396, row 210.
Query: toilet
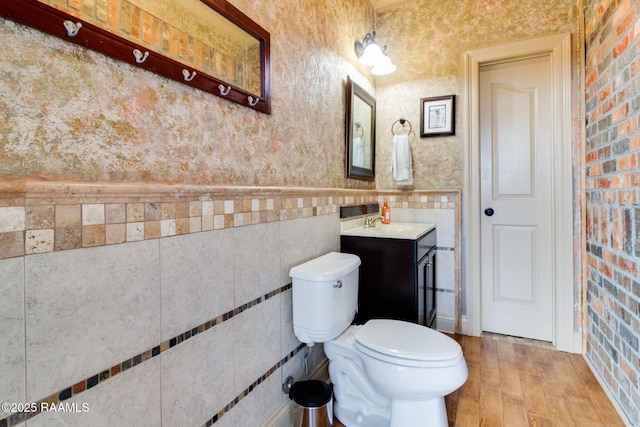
column 385, row 373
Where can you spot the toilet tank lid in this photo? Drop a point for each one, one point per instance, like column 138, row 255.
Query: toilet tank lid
column 326, row 268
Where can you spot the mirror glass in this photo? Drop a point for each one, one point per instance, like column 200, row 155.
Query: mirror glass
column 194, row 34
column 360, row 147
column 360, row 133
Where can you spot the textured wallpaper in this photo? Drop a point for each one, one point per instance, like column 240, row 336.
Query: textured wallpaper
column 427, row 41
column 71, row 114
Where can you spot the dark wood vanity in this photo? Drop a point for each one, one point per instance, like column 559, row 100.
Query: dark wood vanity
column 397, row 277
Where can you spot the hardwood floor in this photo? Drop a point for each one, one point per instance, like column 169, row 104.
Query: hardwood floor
column 512, row 384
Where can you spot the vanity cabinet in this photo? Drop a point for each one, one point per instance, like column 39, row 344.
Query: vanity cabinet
column 397, row 277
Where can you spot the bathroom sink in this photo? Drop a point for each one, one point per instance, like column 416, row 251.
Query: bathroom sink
column 396, row 230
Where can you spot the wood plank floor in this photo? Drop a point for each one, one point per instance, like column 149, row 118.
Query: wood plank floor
column 512, row 385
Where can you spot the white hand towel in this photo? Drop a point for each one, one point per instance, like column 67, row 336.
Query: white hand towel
column 401, row 160
column 358, row 152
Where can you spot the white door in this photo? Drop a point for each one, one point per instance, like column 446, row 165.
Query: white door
column 516, row 186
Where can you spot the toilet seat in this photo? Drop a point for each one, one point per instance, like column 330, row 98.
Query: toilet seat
column 407, row 344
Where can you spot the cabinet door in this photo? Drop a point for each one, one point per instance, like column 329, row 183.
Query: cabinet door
column 430, row 285
column 422, row 273
column 426, row 272
column 387, row 281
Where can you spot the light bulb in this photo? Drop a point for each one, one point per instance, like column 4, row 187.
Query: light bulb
column 384, row 66
column 372, row 54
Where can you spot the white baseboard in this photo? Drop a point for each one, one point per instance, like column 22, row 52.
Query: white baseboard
column 614, row 402
column 465, row 326
column 445, row 324
column 283, row 415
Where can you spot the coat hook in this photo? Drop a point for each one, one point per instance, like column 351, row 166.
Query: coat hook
column 72, row 29
column 188, row 77
column 253, row 101
column 224, row 91
column 140, row 57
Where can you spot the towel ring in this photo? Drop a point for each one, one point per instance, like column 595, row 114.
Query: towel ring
column 402, row 123
column 358, row 127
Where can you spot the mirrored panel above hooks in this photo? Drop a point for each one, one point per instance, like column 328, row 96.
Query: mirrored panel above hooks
column 206, row 44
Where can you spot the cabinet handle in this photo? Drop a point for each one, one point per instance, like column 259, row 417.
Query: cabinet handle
column 338, row 284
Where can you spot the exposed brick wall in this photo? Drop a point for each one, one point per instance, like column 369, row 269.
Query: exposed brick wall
column 612, row 29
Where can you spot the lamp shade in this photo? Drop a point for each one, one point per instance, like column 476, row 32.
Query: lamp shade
column 372, row 54
column 383, row 66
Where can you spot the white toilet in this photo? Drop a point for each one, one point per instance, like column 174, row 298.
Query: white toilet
column 385, row 372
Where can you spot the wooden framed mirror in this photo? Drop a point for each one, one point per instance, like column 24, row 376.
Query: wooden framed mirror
column 360, row 135
column 207, row 44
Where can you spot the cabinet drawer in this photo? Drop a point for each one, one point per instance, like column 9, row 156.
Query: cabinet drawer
column 425, row 244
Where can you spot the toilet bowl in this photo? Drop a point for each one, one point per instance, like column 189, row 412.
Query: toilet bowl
column 385, row 372
column 411, row 366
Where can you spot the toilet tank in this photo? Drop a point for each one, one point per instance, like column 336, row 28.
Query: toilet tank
column 325, row 296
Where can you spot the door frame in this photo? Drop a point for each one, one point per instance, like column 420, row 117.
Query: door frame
column 559, row 48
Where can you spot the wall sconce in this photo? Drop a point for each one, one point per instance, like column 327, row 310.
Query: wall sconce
column 371, row 54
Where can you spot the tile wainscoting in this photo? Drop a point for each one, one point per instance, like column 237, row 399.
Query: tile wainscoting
column 146, row 304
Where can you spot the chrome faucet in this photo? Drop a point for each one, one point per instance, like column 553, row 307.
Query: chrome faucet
column 370, row 221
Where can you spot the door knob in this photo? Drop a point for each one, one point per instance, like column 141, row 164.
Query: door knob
column 489, row 212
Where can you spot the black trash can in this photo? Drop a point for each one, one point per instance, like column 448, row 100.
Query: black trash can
column 313, row 404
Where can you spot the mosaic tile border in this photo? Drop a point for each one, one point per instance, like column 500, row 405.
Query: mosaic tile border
column 38, row 217
column 101, row 377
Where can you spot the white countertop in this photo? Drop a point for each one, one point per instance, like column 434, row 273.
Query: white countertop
column 395, row 230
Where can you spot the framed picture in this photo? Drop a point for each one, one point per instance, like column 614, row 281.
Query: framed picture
column 438, row 116
column 360, row 135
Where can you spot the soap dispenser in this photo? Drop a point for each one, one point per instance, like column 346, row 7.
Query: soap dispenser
column 386, row 212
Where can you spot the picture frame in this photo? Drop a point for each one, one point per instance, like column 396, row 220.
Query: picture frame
column 360, row 133
column 438, row 116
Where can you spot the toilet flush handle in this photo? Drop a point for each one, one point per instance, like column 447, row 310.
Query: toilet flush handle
column 338, row 284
